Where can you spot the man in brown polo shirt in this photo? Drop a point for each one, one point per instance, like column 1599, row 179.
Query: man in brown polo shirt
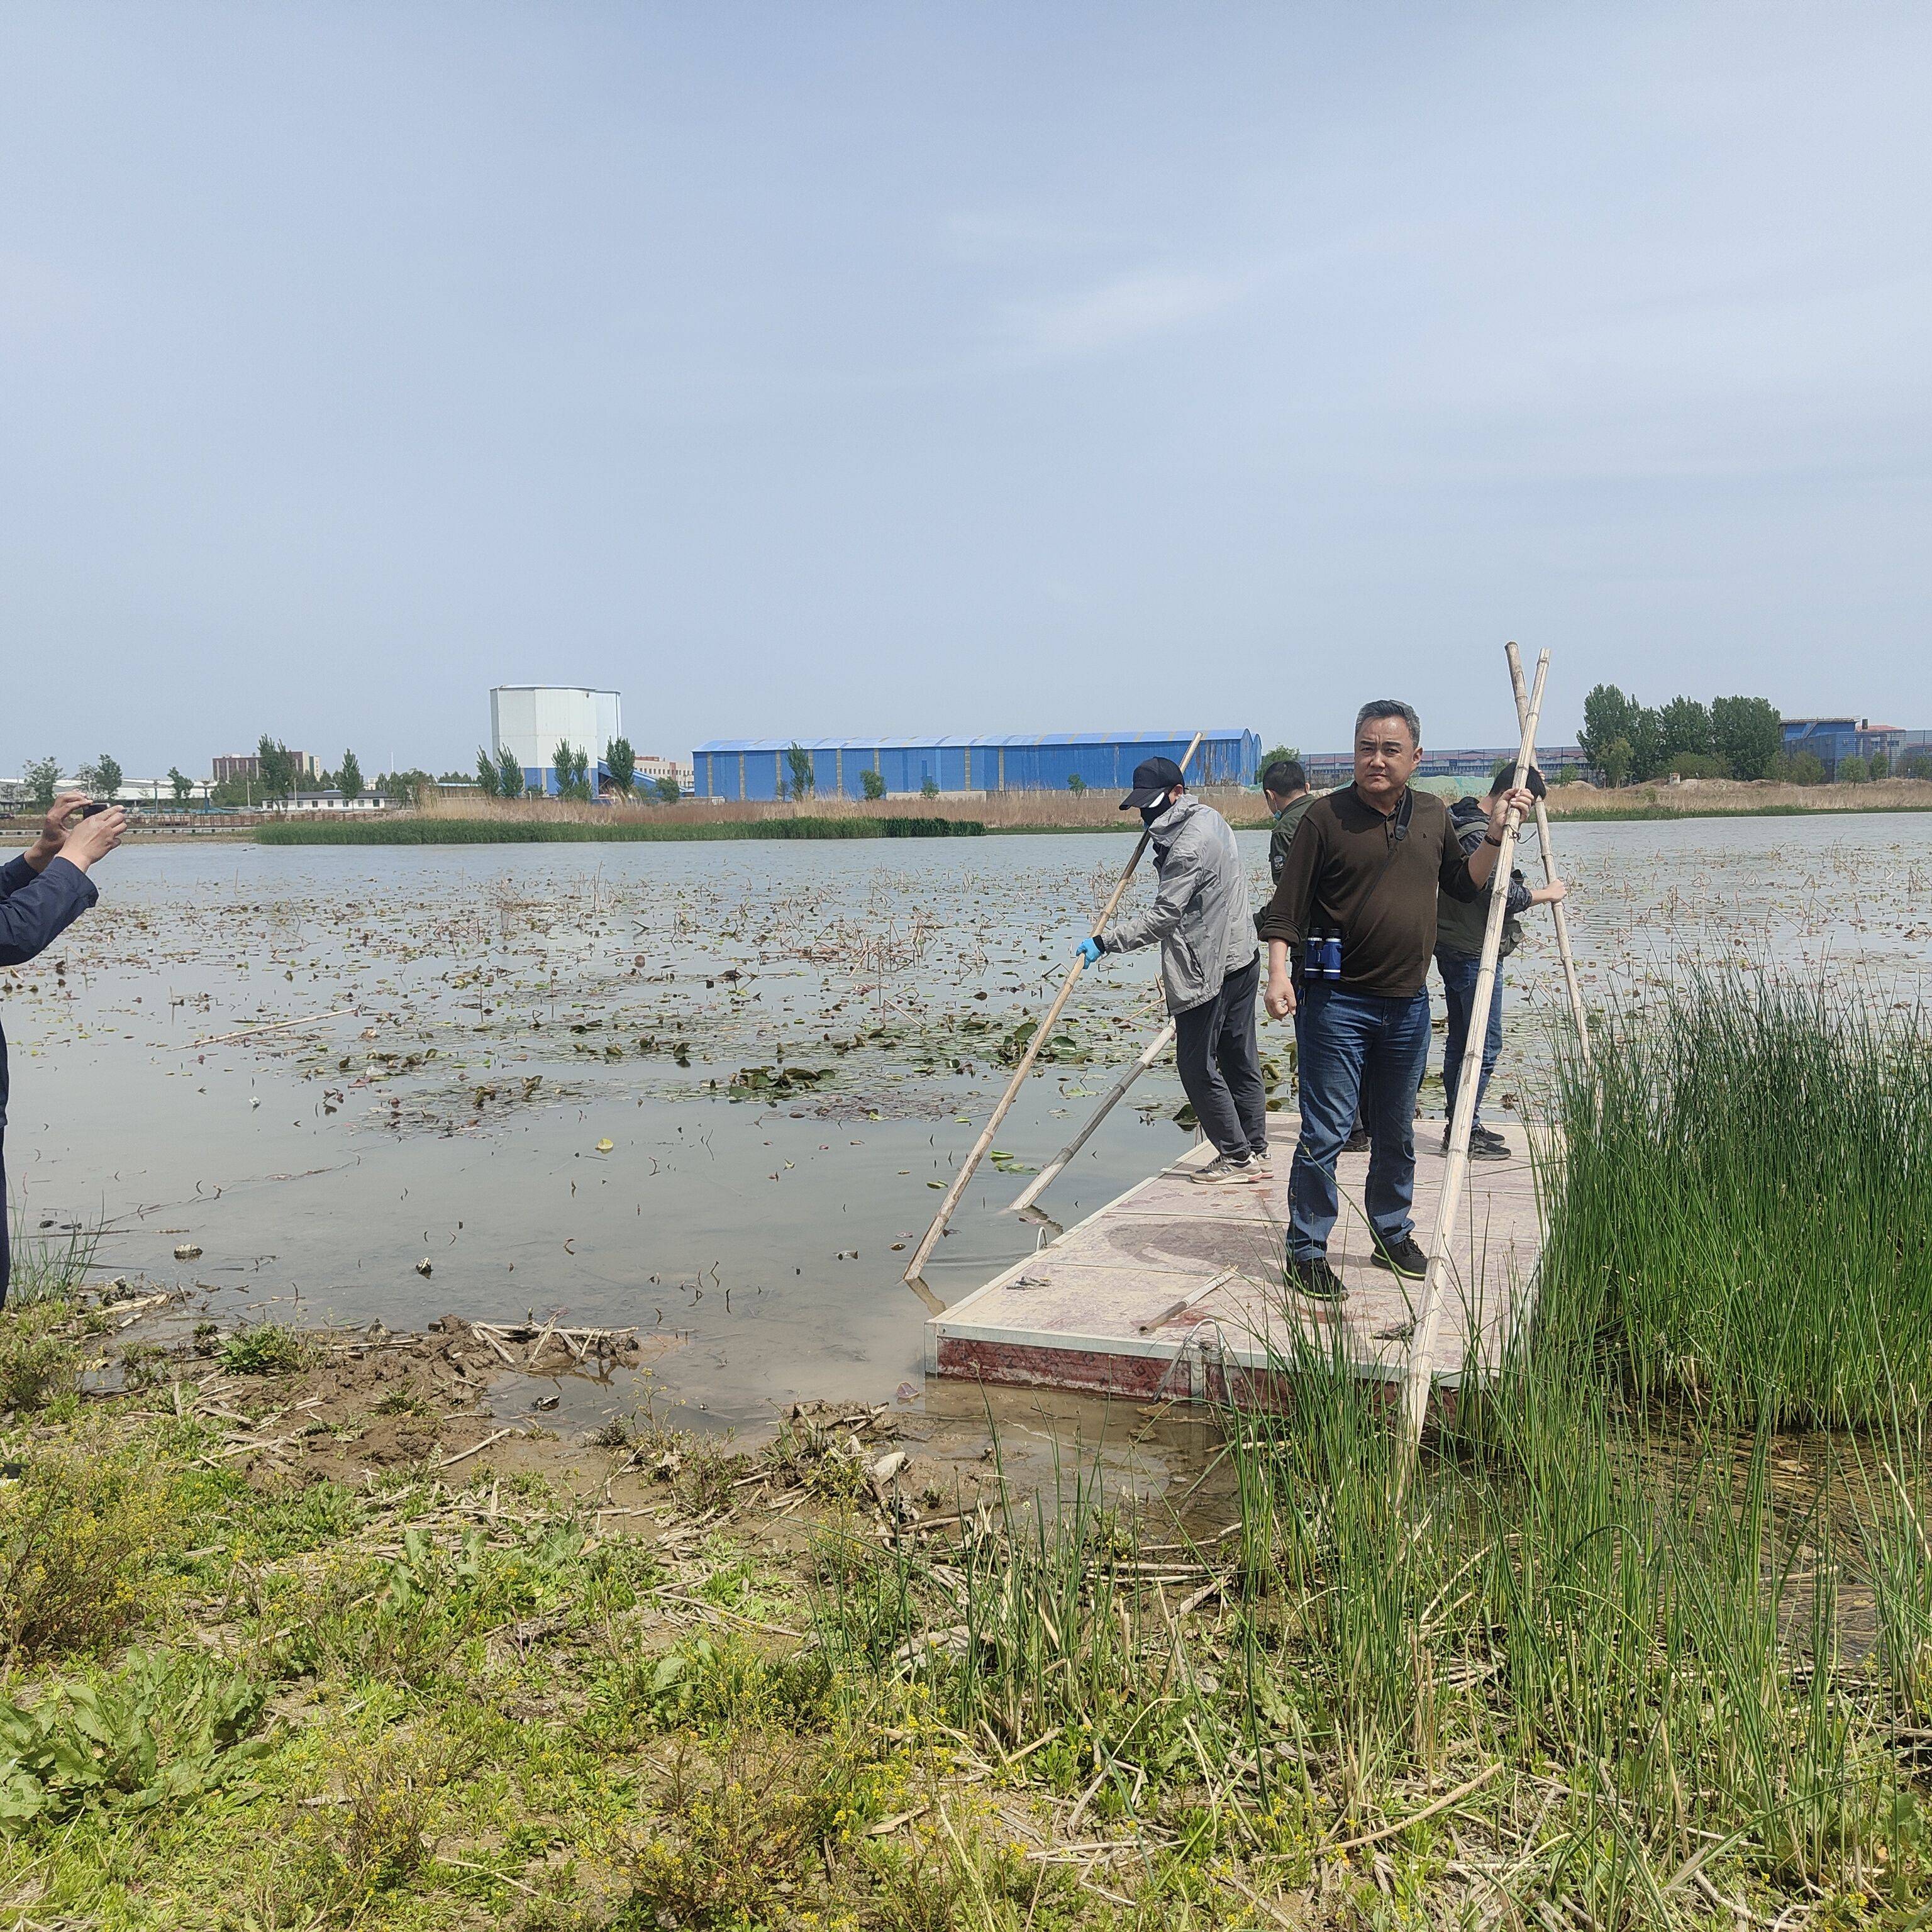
column 1367, row 862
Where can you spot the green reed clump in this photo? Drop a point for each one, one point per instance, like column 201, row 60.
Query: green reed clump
column 1552, row 1588
column 1740, row 1216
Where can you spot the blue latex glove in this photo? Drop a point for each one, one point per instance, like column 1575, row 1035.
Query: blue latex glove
column 1089, row 949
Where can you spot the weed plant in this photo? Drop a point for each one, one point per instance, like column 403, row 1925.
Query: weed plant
column 48, row 1268
column 1740, row 1217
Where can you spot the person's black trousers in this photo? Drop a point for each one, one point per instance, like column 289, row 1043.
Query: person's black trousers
column 6, row 1244
column 1220, row 1066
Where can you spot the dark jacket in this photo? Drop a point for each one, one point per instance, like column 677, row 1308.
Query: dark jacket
column 1287, row 823
column 1346, row 870
column 1459, row 928
column 35, row 909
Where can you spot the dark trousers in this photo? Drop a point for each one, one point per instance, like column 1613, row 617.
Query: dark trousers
column 1356, row 1047
column 1458, row 972
column 6, row 1244
column 1220, row 1066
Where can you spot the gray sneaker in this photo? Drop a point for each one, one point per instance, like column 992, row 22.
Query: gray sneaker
column 1229, row 1170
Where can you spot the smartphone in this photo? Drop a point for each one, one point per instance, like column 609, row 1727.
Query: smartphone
column 99, row 805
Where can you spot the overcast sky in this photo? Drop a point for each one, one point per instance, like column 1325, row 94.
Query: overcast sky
column 815, row 370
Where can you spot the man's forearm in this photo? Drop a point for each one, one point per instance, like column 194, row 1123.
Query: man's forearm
column 1482, row 863
column 1277, row 957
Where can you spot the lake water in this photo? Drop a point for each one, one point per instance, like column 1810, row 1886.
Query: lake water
column 705, row 1088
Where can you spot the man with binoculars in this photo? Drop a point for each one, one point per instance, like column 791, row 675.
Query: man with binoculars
column 1356, row 904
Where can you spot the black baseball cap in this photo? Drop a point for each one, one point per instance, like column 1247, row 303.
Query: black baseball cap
column 1154, row 778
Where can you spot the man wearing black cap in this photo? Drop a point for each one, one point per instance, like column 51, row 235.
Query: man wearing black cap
column 1209, row 966
column 1459, row 956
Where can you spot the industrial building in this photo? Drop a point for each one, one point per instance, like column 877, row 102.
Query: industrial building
column 1830, row 739
column 530, row 721
column 248, row 765
column 759, row 768
column 1470, row 766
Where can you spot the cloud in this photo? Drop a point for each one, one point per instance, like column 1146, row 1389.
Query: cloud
column 1125, row 309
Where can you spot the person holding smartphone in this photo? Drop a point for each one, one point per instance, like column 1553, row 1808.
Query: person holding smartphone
column 43, row 891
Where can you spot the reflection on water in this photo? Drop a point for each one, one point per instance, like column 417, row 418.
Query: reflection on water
column 706, row 1089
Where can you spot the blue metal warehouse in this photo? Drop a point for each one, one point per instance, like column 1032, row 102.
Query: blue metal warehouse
column 756, row 768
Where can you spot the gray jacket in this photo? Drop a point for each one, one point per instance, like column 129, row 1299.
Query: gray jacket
column 1200, row 914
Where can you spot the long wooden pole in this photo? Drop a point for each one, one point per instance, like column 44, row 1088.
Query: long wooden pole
column 1419, row 1374
column 951, row 1198
column 1045, row 1179
column 1562, row 917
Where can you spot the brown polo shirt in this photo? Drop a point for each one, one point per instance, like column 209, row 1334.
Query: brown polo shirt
column 1339, row 876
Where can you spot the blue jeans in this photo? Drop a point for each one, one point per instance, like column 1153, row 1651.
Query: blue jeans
column 1458, row 972
column 1355, row 1047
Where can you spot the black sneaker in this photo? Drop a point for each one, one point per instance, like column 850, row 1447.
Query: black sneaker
column 1357, row 1142
column 1403, row 1258
column 1484, row 1145
column 1316, row 1279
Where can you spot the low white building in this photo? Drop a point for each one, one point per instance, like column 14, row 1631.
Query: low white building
column 326, row 801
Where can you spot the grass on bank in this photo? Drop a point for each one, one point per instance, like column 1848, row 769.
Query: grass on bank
column 437, row 829
column 1608, row 1660
column 1741, row 1216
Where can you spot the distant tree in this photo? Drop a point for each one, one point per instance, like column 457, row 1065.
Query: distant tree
column 873, row 784
column 1683, row 731
column 929, row 787
column 1748, row 734
column 349, row 779
column 1700, row 765
column 623, row 763
column 1852, row 770
column 1805, row 768
column 509, row 775
column 1612, row 758
column 487, row 781
column 1647, row 758
column 1608, row 715
column 1879, row 765
column 1285, row 755
column 41, row 776
column 409, row 788
column 103, row 778
column 277, row 763
column 798, row 763
column 666, row 790
column 1916, row 763
column 183, row 785
column 1076, row 784
column 573, row 770
column 1565, row 775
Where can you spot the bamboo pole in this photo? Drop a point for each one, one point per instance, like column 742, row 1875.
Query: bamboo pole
column 1050, row 1172
column 1420, row 1373
column 1557, row 908
column 951, row 1198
